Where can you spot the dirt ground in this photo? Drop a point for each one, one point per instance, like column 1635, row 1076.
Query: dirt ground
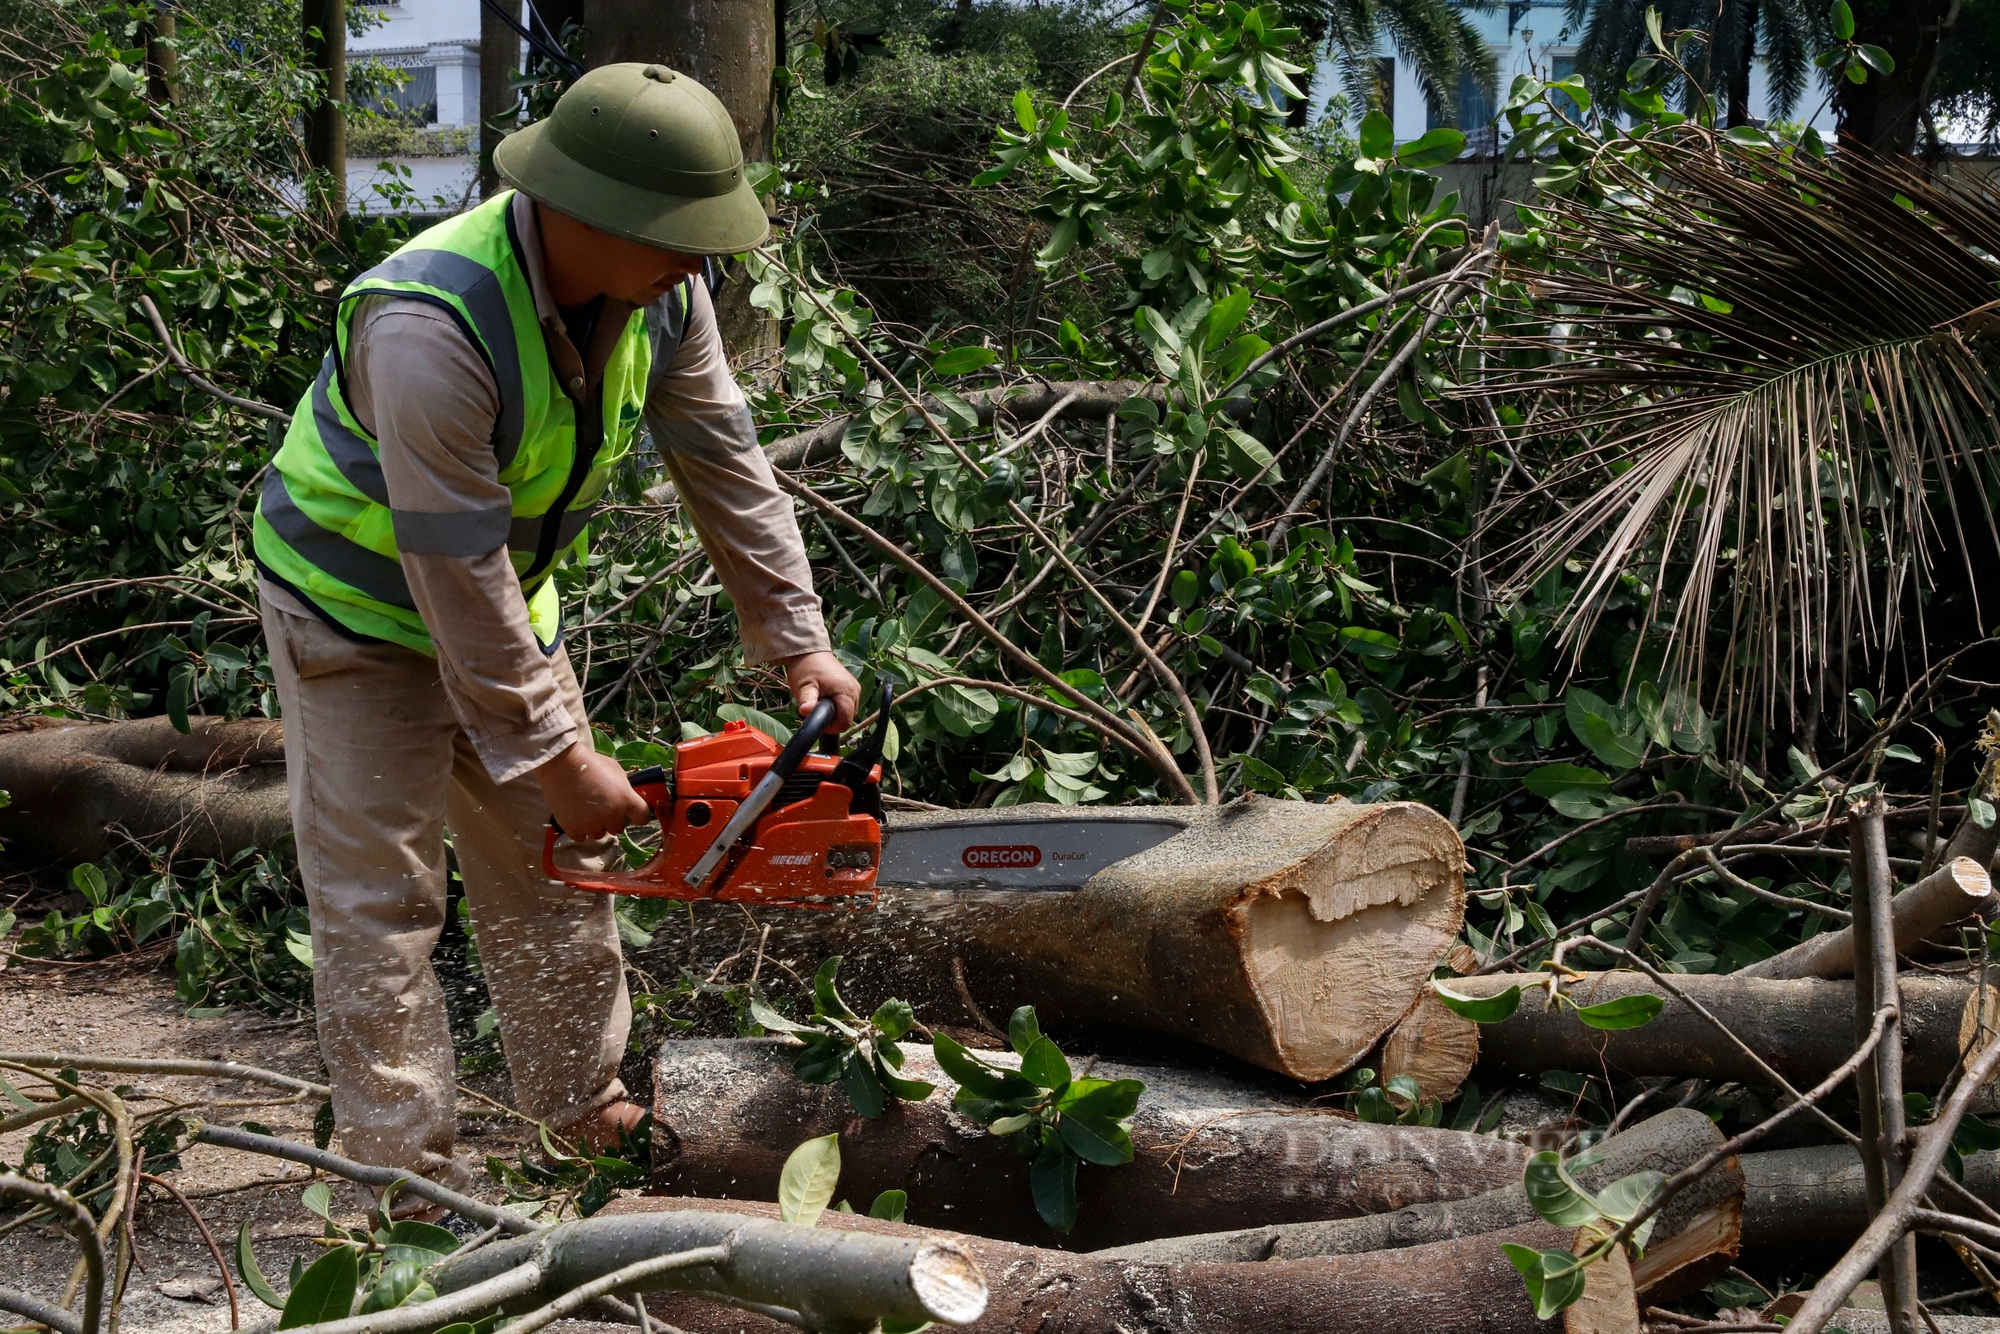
column 117, row 1008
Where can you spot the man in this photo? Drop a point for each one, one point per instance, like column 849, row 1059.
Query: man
column 483, row 383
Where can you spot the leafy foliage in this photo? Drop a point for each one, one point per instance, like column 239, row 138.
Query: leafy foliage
column 1054, row 1117
column 1556, row 1279
column 840, row 1047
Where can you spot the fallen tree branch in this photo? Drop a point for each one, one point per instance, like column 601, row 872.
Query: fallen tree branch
column 1958, row 889
column 39, row 1311
column 194, row 377
column 229, row 1137
column 147, row 1065
column 75, row 1220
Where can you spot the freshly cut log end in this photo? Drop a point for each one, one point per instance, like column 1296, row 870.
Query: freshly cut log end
column 1432, row 1046
column 1210, row 1152
column 1959, row 889
column 1331, row 919
column 1695, row 1256
column 948, row 1282
column 1980, row 1019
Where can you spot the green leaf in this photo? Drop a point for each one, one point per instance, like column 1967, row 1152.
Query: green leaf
column 1052, row 1180
column 893, row 1018
column 252, row 1275
column 1625, row 1197
column 1841, row 16
column 858, row 1081
column 318, row 1198
column 767, row 1018
column 1622, row 1012
column 180, row 695
column 325, row 1292
column 1043, row 1064
column 1554, row 1279
column 1023, row 1030
column 806, row 1185
column 909, row 1090
column 323, row 1124
column 424, row 1243
column 1432, row 149
column 300, row 947
column 1366, row 643
column 967, row 1071
column 1875, row 58
column 1553, row 1195
column 1095, row 1140
column 1553, row 779
column 1378, row 135
column 757, row 718
column 1981, row 811
column 891, row 1205
column 1024, row 111
column 1104, row 1099
column 1481, row 1009
column 963, row 360
column 826, row 996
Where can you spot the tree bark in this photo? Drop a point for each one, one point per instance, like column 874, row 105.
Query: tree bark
column 1708, row 1215
column 729, row 47
column 325, row 30
column 499, row 61
column 1463, row 1286
column 1289, row 935
column 1959, row 889
column 1882, row 114
column 1803, row 1028
column 79, row 789
column 163, row 57
column 1211, row 1151
column 840, row 1280
column 1816, row 1198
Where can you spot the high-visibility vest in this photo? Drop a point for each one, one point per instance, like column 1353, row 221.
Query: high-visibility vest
column 325, row 530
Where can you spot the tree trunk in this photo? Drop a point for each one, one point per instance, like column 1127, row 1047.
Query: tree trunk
column 163, row 58
column 499, row 61
column 208, row 794
column 325, row 24
column 1704, row 1219
column 1803, row 1028
column 1432, row 1046
column 1883, row 113
column 1817, row 1198
column 729, row 47
column 1959, row 889
column 1289, row 935
column 1211, row 1152
column 1455, row 1285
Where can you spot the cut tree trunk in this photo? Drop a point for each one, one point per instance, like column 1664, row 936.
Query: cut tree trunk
column 1286, row 934
column 1806, row 1199
column 1693, row 1242
column 1432, row 1046
column 499, row 62
column 324, row 24
column 1959, row 889
column 79, row 789
column 1467, row 1287
column 1211, row 1152
column 1803, row 1028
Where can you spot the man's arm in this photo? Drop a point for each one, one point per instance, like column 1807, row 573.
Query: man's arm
column 429, row 400
column 702, row 428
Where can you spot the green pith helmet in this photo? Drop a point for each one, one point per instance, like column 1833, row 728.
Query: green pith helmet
column 641, row 152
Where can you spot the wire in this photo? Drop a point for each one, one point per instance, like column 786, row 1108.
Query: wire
column 547, row 50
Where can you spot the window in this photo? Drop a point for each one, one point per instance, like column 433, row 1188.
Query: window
column 1472, row 114
column 1561, row 66
column 407, row 93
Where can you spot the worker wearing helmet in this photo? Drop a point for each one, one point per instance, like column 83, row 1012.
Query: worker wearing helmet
column 484, row 383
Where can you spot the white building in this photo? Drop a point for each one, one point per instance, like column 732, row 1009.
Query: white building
column 436, row 44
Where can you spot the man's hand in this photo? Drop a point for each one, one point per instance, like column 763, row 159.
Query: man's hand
column 589, row 794
column 816, row 676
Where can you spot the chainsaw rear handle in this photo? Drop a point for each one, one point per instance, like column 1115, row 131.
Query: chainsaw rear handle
column 650, row 776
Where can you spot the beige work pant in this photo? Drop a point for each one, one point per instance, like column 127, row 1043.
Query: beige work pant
column 378, row 768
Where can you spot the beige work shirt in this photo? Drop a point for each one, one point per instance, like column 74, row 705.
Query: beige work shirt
column 417, row 385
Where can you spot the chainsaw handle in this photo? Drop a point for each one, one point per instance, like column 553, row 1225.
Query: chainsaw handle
column 803, row 740
column 650, row 776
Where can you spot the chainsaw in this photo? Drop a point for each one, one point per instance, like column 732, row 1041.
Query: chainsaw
column 743, row 819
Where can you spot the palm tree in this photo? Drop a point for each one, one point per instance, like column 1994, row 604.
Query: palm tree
column 1790, row 32
column 1785, row 372
column 1434, row 36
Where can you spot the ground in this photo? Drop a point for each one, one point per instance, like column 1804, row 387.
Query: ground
column 117, row 1008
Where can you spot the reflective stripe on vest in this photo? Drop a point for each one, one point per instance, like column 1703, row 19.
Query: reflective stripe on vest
column 325, row 528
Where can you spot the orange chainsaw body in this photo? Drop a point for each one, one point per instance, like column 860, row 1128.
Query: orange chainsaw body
column 808, row 847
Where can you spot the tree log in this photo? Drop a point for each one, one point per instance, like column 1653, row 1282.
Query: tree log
column 1432, row 1046
column 1803, row 1028
column 1704, row 1219
column 1211, row 1152
column 1467, row 1287
column 79, row 789
column 1289, row 935
column 1801, row 1199
column 1959, row 889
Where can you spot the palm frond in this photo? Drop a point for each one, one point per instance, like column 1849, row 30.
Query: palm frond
column 1783, row 370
